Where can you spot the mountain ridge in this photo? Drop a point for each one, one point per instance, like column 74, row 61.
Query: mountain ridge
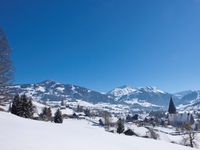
column 136, row 97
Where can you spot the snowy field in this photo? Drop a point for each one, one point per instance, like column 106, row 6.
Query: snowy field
column 24, row 134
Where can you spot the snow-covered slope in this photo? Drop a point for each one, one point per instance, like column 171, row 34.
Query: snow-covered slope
column 24, row 134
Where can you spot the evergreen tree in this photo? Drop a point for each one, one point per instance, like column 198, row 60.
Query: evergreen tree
column 30, row 109
column 172, row 108
column 49, row 114
column 43, row 114
column 46, row 114
column 15, row 104
column 58, row 117
column 22, row 106
column 120, row 126
column 27, row 107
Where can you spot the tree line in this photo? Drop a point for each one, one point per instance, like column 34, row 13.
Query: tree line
column 22, row 106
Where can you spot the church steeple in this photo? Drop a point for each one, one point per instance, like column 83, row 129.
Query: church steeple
column 172, row 108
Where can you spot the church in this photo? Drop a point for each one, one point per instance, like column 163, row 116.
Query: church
column 178, row 119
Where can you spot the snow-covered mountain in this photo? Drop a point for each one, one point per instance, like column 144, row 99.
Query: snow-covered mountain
column 53, row 91
column 143, row 97
column 121, row 91
column 189, row 100
column 188, row 96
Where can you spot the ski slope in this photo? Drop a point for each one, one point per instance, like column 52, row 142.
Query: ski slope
column 25, row 134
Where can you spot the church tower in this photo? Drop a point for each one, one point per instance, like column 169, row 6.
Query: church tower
column 172, row 116
column 172, row 108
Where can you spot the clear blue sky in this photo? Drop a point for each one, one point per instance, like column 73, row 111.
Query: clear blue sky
column 101, row 44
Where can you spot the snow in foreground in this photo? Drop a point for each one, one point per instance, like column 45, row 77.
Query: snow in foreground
column 24, row 134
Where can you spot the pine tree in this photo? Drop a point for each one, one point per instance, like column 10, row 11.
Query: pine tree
column 172, row 108
column 22, row 106
column 27, row 107
column 15, row 104
column 49, row 114
column 43, row 114
column 120, row 126
column 46, row 114
column 58, row 117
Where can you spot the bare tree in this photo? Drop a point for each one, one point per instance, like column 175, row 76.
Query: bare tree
column 189, row 137
column 106, row 117
column 6, row 69
column 152, row 134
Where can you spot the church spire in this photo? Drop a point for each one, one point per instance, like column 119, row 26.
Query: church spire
column 172, row 108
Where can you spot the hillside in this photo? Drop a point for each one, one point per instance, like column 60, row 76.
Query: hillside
column 72, row 134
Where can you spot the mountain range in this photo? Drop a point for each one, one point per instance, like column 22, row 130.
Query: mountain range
column 143, row 97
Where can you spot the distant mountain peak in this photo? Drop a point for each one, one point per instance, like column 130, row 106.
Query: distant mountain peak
column 122, row 90
column 153, row 89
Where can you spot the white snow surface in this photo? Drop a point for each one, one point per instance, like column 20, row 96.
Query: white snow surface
column 25, row 134
column 61, row 89
column 40, row 88
column 141, row 103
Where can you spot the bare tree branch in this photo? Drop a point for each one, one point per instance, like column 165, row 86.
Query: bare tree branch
column 6, row 68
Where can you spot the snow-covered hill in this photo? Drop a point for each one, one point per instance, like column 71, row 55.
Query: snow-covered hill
column 25, row 134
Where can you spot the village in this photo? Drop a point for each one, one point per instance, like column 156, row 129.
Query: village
column 170, row 122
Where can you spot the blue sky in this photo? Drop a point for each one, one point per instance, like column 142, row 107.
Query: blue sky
column 101, row 44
